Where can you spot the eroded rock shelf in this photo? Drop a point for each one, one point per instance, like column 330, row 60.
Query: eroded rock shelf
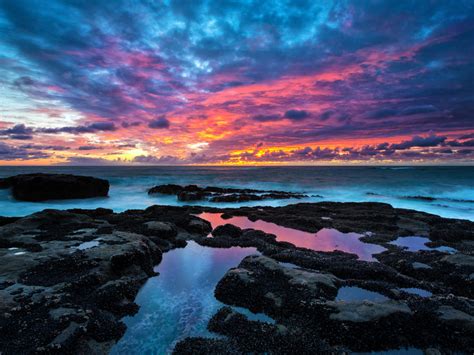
column 67, row 279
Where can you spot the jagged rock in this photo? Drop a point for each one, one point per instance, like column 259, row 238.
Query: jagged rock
column 218, row 194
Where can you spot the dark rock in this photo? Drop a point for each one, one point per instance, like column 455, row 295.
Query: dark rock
column 190, row 196
column 169, row 189
column 164, row 230
column 262, row 337
column 193, row 188
column 40, row 187
column 218, row 194
column 198, row 225
column 244, row 197
column 7, row 220
column 56, row 271
column 302, row 299
column 228, row 230
column 263, row 285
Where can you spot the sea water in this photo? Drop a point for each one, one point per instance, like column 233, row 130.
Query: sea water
column 445, row 191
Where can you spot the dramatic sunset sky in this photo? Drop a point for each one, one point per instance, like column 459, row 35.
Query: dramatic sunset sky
column 236, row 82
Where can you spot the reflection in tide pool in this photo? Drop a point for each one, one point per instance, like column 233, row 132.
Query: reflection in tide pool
column 417, row 291
column 325, row 240
column 419, row 243
column 88, row 245
column 357, row 294
column 180, row 301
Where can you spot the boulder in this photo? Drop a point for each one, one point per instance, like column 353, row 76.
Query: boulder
column 228, row 230
column 163, row 229
column 169, row 189
column 190, row 196
column 40, row 187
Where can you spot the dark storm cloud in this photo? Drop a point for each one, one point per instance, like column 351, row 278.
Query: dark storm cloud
column 23, row 137
column 89, row 147
column 16, row 129
column 159, row 123
column 91, row 128
column 21, row 130
column 296, row 115
column 8, row 152
column 417, row 141
column 44, row 147
column 455, row 143
column 18, row 132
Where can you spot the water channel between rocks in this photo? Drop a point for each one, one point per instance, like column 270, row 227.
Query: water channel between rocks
column 180, row 301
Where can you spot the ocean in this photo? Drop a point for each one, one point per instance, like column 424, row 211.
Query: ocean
column 445, row 191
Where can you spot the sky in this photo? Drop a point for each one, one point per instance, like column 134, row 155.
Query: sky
column 236, row 82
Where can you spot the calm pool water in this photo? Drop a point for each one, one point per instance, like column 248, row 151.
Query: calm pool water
column 180, row 301
column 417, row 291
column 419, row 243
column 356, row 294
column 324, row 240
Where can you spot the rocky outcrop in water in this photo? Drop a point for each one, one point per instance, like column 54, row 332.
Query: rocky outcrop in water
column 218, row 194
column 68, row 277
column 41, row 187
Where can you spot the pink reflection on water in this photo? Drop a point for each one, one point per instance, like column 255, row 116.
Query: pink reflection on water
column 324, row 240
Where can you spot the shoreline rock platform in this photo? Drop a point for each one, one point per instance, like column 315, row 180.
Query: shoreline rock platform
column 67, row 278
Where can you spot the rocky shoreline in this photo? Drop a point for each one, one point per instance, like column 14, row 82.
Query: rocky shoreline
column 68, row 277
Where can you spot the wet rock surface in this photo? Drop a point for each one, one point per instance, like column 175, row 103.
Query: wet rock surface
column 218, row 194
column 298, row 287
column 56, row 297
column 59, row 294
column 41, row 187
